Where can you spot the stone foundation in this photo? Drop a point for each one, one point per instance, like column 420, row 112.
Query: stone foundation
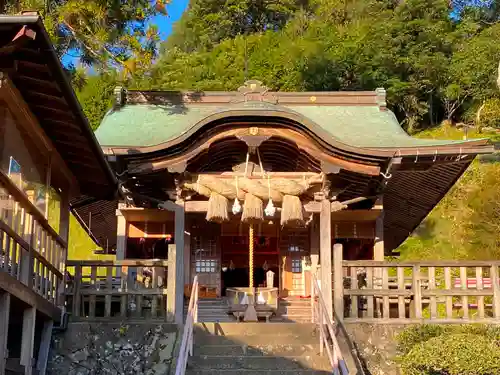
column 377, row 346
column 113, row 348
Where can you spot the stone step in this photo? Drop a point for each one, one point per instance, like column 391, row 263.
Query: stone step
column 219, row 362
column 256, row 372
column 271, row 329
column 258, row 350
column 292, row 319
column 295, row 301
column 253, row 340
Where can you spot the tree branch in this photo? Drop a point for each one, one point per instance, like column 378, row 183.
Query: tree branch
column 96, row 54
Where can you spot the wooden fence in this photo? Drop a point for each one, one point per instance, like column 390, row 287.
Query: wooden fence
column 31, row 251
column 431, row 291
column 128, row 288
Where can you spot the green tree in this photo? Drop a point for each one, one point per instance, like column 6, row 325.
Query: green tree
column 208, row 22
column 105, row 34
column 96, row 96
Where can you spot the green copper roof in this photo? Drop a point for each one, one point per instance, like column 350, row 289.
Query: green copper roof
column 142, row 125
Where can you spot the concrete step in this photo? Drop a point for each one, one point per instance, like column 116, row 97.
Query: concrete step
column 290, row 349
column 255, row 372
column 219, row 362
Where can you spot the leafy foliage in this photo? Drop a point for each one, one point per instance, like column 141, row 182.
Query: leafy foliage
column 453, row 354
column 96, row 96
column 105, row 34
column 208, row 22
column 433, row 67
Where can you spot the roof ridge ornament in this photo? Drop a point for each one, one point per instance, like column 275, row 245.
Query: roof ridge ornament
column 381, row 98
column 120, row 97
column 254, row 90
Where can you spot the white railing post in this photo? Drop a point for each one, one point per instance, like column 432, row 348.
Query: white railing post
column 327, row 337
column 187, row 342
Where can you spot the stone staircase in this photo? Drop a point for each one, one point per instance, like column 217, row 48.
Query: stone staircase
column 257, row 348
column 293, row 309
column 213, row 310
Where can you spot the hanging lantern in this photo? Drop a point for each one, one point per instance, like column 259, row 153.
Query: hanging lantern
column 270, row 210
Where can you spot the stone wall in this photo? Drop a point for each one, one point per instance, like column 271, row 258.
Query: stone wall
column 113, row 348
column 376, row 345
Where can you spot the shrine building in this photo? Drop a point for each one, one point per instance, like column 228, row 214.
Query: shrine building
column 291, row 173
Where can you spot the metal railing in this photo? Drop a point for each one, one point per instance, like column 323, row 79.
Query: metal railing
column 327, row 336
column 186, row 349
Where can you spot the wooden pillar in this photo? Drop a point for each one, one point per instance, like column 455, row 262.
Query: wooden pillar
column 180, row 218
column 325, row 241
column 121, row 235
column 187, row 255
column 43, row 352
column 28, row 340
column 378, row 247
column 378, row 255
column 64, row 220
column 4, row 328
column 27, row 258
column 175, row 282
column 314, row 243
column 338, row 281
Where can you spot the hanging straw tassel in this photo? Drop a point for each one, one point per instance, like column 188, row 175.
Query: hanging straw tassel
column 253, row 210
column 291, row 211
column 217, row 208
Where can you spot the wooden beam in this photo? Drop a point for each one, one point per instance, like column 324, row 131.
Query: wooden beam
column 4, row 328
column 29, row 296
column 28, row 340
column 23, row 114
column 325, row 241
column 310, row 207
column 303, row 142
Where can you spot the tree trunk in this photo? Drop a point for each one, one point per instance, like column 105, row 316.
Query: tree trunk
column 2, row 6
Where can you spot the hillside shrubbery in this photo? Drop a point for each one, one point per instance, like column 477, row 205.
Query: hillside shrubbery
column 450, row 350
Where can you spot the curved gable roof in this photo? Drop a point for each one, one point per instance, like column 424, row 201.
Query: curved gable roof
column 358, row 126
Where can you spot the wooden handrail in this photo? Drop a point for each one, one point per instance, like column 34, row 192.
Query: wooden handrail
column 322, row 318
column 186, row 349
column 26, row 246
column 421, row 263
column 118, row 263
column 19, row 195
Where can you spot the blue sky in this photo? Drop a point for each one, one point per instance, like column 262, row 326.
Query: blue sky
column 164, row 23
column 175, row 10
